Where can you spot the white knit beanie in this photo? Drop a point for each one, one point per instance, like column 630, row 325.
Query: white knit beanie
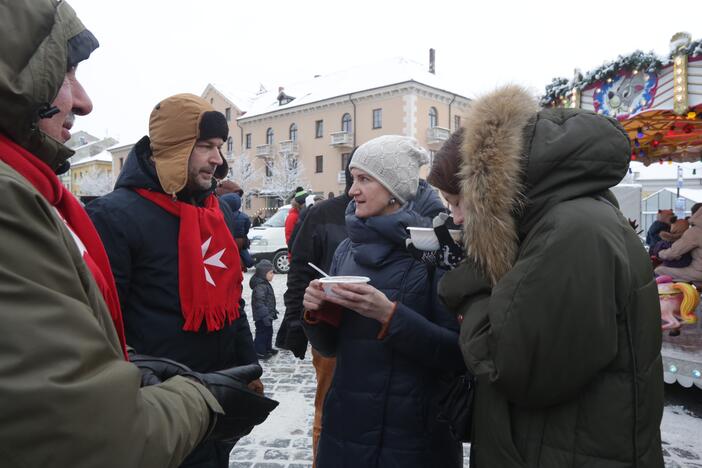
column 394, row 161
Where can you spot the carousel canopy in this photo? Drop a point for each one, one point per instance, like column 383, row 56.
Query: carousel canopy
column 658, row 100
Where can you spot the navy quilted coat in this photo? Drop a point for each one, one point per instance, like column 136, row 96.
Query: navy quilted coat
column 380, row 410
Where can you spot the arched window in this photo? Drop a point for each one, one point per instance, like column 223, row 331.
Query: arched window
column 433, row 117
column 293, row 132
column 346, row 123
column 269, row 136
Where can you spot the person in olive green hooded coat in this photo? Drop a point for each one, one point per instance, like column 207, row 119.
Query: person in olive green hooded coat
column 68, row 396
column 561, row 322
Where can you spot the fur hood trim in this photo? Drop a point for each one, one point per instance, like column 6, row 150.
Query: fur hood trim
column 491, row 176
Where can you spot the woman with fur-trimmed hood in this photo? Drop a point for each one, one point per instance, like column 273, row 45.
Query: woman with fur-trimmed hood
column 561, row 322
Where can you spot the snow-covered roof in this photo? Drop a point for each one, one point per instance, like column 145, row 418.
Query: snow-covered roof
column 691, row 194
column 240, row 100
column 360, row 78
column 103, row 156
column 666, row 171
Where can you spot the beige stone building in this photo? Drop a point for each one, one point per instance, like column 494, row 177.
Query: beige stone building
column 91, row 165
column 315, row 125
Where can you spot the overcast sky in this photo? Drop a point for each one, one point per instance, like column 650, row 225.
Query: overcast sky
column 151, row 49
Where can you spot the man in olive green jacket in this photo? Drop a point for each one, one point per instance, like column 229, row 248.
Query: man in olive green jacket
column 561, row 323
column 68, row 396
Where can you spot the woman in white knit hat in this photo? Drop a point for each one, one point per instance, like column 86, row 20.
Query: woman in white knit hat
column 391, row 338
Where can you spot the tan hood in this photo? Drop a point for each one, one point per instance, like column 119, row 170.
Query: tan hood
column 173, row 130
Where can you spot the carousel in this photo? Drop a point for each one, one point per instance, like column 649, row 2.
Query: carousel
column 657, row 99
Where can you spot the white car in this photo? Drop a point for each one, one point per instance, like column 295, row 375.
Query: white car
column 268, row 241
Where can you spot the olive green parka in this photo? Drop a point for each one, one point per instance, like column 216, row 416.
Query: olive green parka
column 561, row 322
column 67, row 396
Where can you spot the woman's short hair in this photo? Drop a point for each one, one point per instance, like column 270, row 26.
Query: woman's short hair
column 445, row 168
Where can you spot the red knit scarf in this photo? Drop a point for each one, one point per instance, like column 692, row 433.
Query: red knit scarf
column 209, row 268
column 76, row 219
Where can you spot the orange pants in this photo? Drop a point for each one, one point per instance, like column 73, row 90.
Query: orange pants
column 324, row 369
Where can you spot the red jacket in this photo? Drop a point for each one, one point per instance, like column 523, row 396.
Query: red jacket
column 290, row 222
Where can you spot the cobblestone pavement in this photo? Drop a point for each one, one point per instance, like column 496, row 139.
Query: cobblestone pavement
column 285, row 439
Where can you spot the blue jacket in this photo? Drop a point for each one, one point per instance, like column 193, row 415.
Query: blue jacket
column 240, row 226
column 380, row 410
column 262, row 300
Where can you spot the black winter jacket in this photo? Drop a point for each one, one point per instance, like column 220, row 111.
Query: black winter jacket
column 141, row 240
column 380, row 410
column 319, row 234
column 262, row 300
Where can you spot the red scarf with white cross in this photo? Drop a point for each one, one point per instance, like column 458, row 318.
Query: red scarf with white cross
column 209, row 268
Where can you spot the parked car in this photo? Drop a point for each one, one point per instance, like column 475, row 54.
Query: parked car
column 268, row 241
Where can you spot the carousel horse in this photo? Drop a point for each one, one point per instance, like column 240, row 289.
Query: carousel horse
column 678, row 303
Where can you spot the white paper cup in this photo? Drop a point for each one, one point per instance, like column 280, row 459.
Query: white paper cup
column 424, row 238
column 331, row 281
column 456, row 235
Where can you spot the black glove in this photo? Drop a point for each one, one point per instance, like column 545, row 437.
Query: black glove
column 296, row 340
column 243, row 408
column 155, row 370
column 449, row 254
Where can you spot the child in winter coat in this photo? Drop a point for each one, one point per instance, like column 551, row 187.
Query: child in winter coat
column 263, row 307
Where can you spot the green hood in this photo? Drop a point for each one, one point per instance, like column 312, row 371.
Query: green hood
column 41, row 39
column 538, row 159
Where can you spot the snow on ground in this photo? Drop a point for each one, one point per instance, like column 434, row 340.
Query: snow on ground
column 285, row 439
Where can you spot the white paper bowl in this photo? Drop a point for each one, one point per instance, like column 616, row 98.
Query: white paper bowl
column 424, row 238
column 330, row 281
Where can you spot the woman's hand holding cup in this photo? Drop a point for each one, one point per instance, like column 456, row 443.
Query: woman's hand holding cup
column 314, row 296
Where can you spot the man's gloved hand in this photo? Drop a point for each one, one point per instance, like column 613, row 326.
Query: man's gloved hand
column 449, row 254
column 243, row 407
column 155, row 370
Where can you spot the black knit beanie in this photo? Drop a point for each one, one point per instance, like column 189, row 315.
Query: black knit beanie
column 213, row 124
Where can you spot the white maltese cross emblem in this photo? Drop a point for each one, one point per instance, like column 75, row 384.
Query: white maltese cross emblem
column 213, row 260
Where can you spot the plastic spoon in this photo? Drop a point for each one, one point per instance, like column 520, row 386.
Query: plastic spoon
column 318, row 269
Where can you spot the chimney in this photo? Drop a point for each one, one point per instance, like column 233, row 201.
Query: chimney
column 432, row 62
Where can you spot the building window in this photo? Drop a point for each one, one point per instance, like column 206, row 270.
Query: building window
column 293, row 132
column 269, row 172
column 433, row 117
column 432, row 153
column 319, row 164
column 247, row 204
column 346, row 123
column 248, row 141
column 269, row 136
column 456, row 122
column 211, row 100
column 228, row 114
column 377, row 118
column 345, row 160
column 319, row 129
column 230, row 145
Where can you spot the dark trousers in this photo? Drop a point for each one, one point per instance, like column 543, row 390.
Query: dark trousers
column 264, row 337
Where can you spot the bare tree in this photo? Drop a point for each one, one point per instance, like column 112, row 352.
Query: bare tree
column 243, row 172
column 284, row 173
column 96, row 182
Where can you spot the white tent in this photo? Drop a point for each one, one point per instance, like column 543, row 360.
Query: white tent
column 665, row 200
column 629, row 198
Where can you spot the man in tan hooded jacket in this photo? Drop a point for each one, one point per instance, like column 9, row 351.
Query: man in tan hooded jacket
column 68, row 395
